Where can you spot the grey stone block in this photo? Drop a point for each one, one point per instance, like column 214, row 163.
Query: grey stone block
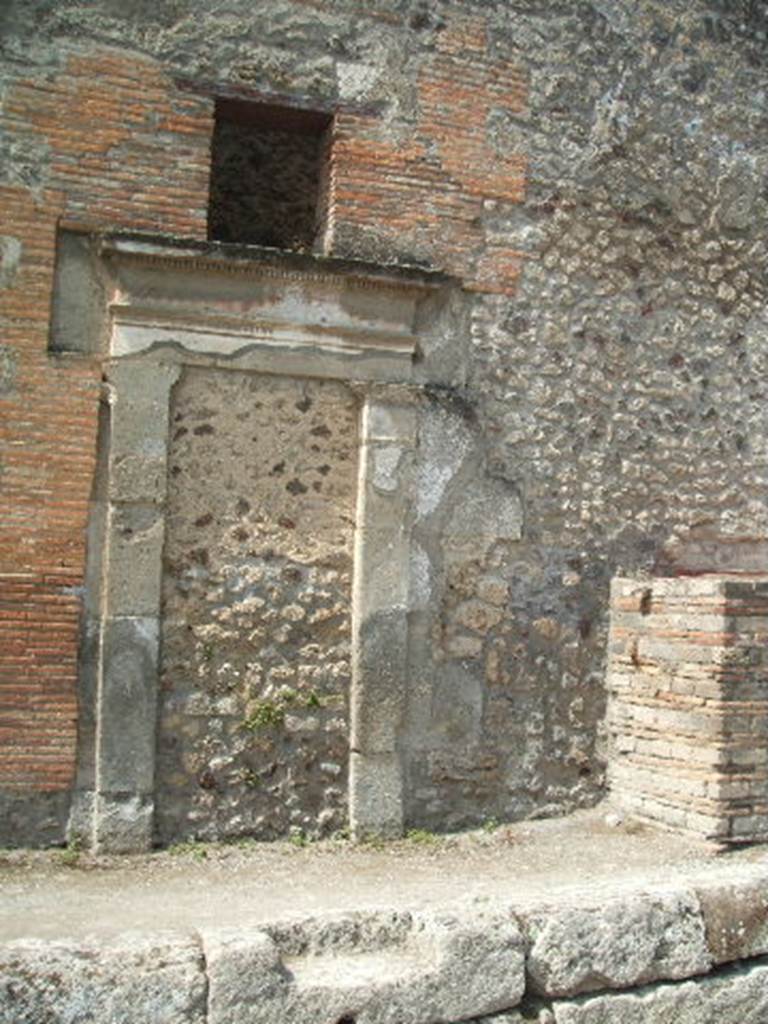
column 128, row 706
column 447, row 967
column 627, row 941
column 736, row 918
column 382, row 557
column 78, row 320
column 375, row 795
column 123, row 822
column 135, row 560
column 735, row 997
column 139, row 476
column 89, row 665
column 131, row 979
column 140, row 410
column 81, row 817
column 378, row 696
column 31, row 818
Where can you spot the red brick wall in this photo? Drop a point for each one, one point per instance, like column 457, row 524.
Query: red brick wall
column 426, row 195
column 128, row 150
column 38, row 621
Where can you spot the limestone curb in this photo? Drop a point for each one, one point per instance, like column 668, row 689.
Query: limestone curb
column 628, row 940
column 420, row 968
column 737, row 994
column 135, row 977
column 467, row 959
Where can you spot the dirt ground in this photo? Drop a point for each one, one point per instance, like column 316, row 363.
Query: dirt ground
column 66, row 893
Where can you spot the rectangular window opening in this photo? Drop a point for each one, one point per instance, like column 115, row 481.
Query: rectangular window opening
column 268, row 174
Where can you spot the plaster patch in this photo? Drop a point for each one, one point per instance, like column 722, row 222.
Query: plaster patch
column 10, row 257
column 385, row 465
column 355, row 80
column 421, row 582
column 444, row 443
column 8, row 369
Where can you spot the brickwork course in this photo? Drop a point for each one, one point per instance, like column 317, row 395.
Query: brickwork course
column 594, row 178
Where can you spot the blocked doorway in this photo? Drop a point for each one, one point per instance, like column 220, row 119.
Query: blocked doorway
column 246, row 631
column 256, row 607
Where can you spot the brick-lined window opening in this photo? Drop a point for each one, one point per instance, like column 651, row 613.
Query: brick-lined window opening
column 267, row 174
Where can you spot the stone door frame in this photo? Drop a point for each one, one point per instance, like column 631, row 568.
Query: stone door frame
column 151, row 308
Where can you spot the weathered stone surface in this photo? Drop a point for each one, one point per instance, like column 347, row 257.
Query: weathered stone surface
column 156, row 978
column 8, row 368
column 79, row 313
column 33, row 819
column 125, row 749
column 376, row 794
column 739, row 996
column 135, row 560
column 618, row 390
column 626, row 941
column 122, row 822
column 413, row 970
column 736, row 918
column 735, row 996
column 10, row 255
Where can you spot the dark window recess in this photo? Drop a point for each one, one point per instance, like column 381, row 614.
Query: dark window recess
column 267, row 166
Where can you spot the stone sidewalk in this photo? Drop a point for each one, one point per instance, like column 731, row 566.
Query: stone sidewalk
column 569, row 921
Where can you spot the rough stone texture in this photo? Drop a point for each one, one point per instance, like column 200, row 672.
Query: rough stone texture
column 484, row 736
column 688, row 713
column 623, row 943
column 413, row 969
column 32, row 818
column 481, row 960
column 156, row 978
column 737, row 996
column 256, row 607
column 381, row 678
column 736, row 918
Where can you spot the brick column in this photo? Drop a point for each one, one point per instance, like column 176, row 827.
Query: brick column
column 688, row 703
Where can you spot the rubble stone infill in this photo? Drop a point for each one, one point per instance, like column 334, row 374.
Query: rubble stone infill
column 692, row 952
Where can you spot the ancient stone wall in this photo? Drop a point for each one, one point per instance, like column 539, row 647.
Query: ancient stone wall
column 593, row 174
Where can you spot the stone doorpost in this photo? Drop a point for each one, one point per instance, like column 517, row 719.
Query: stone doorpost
column 126, row 683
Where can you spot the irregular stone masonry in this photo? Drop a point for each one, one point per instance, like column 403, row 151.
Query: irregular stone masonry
column 651, row 956
column 102, row 125
column 688, row 705
column 252, row 732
